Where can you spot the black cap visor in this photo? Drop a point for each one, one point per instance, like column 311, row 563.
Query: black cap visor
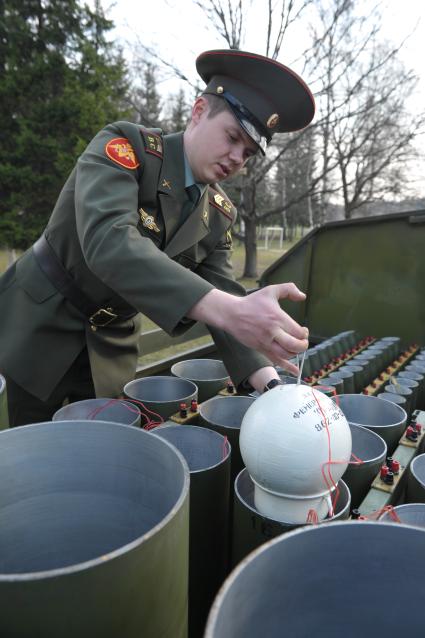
column 248, row 122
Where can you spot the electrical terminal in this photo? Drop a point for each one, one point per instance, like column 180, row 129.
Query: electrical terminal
column 389, row 475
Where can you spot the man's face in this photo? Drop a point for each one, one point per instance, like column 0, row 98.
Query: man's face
column 216, row 147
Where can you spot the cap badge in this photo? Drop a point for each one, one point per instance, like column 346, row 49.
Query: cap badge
column 219, row 89
column 148, row 221
column 273, row 120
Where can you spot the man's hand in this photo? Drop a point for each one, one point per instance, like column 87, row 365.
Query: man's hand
column 257, row 321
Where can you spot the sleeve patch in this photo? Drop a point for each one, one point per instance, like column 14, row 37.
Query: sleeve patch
column 120, row 151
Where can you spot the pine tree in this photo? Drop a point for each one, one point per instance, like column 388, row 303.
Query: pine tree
column 179, row 112
column 60, row 82
column 146, row 101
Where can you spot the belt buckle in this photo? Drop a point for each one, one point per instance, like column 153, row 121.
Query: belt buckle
column 102, row 318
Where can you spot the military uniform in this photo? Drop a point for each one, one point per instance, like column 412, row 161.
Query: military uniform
column 117, row 229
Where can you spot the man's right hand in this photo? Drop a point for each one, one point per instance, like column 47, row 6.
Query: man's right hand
column 257, row 321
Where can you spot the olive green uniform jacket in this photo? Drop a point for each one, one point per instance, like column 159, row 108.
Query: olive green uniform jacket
column 117, row 229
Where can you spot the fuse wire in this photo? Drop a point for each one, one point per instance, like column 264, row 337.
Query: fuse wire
column 332, row 486
column 150, row 423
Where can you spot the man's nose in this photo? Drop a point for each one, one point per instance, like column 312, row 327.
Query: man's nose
column 236, row 155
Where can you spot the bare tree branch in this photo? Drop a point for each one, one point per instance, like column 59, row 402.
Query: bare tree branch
column 227, row 20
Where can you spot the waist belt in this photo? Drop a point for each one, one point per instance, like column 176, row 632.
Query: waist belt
column 58, row 275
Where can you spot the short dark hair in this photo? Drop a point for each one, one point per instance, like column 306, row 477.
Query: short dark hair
column 216, row 103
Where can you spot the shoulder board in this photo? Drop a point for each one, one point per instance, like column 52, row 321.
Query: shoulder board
column 224, row 205
column 153, row 142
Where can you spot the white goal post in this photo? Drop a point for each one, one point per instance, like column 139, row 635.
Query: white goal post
column 273, row 233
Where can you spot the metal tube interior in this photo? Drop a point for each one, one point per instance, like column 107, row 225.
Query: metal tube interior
column 80, row 490
column 333, row 580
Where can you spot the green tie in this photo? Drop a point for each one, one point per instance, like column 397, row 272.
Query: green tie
column 190, row 204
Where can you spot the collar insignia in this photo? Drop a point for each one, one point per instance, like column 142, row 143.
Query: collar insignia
column 166, row 184
column 205, row 217
column 222, row 203
column 148, row 221
column 153, row 143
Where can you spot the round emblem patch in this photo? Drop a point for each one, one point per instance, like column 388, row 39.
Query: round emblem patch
column 119, row 150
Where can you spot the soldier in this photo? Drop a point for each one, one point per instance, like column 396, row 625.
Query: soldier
column 142, row 226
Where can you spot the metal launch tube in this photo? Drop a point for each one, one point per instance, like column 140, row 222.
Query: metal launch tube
column 334, row 580
column 162, row 395
column 403, row 391
column 209, row 375
column 383, row 417
column 407, row 514
column 94, row 532
column 251, row 529
column 224, row 415
column 207, row 454
column 415, row 491
column 371, row 449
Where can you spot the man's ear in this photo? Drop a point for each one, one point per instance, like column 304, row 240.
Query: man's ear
column 200, row 108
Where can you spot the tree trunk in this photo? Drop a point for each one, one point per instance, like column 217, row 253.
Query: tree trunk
column 250, row 268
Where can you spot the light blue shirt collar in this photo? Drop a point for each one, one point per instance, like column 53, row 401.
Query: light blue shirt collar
column 189, row 179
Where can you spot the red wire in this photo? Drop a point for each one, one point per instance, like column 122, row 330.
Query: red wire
column 331, row 484
column 329, row 462
column 329, row 387
column 356, row 461
column 150, row 423
column 312, row 517
column 378, row 513
column 96, row 411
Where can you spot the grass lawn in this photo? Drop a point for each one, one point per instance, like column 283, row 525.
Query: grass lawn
column 5, row 257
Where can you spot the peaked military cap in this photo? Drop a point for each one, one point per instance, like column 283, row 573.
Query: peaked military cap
column 265, row 96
